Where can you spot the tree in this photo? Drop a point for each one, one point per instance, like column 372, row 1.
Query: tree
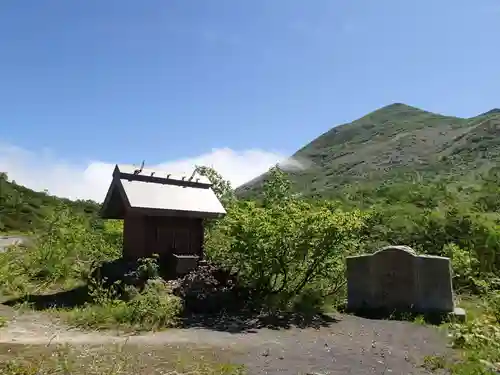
column 222, row 188
column 286, row 246
column 277, row 188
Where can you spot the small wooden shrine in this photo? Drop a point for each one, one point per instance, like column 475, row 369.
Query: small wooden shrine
column 163, row 214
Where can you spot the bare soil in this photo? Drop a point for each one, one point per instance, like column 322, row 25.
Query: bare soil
column 352, row 345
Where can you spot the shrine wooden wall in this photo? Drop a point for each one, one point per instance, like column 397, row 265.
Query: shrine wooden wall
column 144, row 236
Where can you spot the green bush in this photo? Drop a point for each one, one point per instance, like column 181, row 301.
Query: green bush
column 286, row 245
column 154, row 308
column 63, row 255
column 465, row 265
column 479, row 340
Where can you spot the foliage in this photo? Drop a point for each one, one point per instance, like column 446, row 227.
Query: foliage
column 139, row 300
column 287, row 245
column 464, row 264
column 221, row 187
column 453, row 225
column 147, row 269
column 64, row 254
column 479, row 338
column 153, row 308
column 25, row 210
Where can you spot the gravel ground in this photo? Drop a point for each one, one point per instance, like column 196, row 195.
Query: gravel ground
column 351, row 345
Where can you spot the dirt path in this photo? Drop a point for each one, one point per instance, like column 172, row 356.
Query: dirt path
column 6, row 241
column 351, row 346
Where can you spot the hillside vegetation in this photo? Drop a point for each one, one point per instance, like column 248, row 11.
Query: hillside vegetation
column 25, row 210
column 285, row 253
column 397, row 142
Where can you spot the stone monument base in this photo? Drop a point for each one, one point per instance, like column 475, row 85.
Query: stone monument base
column 458, row 315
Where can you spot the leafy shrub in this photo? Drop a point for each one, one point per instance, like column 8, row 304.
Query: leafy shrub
column 155, row 307
column 465, row 265
column 477, row 333
column 479, row 338
column 432, row 231
column 63, row 255
column 310, row 301
column 121, row 272
column 287, row 244
column 494, row 303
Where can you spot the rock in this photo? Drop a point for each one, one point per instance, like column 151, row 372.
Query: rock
column 396, row 279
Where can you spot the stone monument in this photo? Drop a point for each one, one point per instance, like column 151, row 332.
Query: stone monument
column 396, row 278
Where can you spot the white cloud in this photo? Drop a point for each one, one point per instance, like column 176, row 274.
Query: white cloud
column 43, row 170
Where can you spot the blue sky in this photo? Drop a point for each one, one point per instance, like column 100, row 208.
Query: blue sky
column 92, row 81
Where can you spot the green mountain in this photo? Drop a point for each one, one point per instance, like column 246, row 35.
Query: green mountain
column 22, row 209
column 392, row 143
column 395, row 142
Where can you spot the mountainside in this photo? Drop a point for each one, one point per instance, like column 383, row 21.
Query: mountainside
column 22, row 209
column 391, row 143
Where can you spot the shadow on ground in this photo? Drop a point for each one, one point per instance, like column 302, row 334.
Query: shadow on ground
column 408, row 316
column 233, row 322
column 251, row 322
column 66, row 299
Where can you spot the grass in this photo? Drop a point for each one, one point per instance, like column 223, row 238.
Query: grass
column 433, row 363
column 125, row 359
column 477, row 341
column 474, row 307
column 120, row 315
column 153, row 309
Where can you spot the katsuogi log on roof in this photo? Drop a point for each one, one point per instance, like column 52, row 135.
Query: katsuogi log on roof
column 159, row 193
